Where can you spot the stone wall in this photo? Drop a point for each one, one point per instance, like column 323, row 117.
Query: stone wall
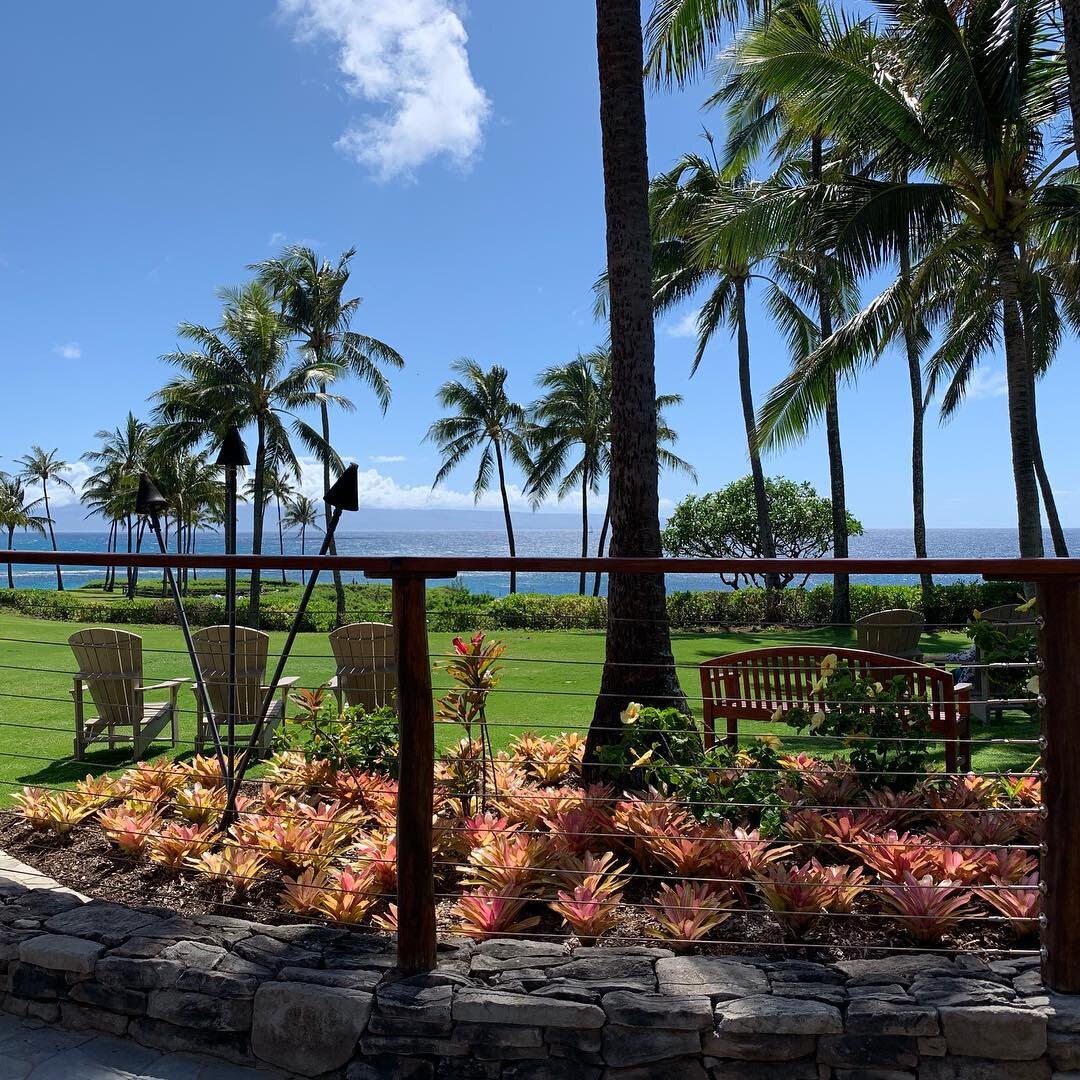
column 321, row 1001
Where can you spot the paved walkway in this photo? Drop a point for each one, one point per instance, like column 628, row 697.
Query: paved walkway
column 30, row 1050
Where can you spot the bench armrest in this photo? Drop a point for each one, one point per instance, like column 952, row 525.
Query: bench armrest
column 287, row 682
column 168, row 684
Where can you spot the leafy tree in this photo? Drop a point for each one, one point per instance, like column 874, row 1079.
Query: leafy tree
column 301, row 513
column 482, row 417
column 239, row 373
column 639, row 665
column 723, row 525
column 310, row 292
column 44, row 467
column 16, row 513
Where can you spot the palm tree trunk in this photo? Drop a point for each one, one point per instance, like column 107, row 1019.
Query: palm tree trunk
column 841, row 599
column 10, row 566
column 1020, row 385
column 130, row 592
column 52, row 534
column 1070, row 18
column 339, row 588
column 303, row 551
column 766, row 544
column 638, row 665
column 584, row 529
column 918, row 417
column 600, row 546
column 1057, row 533
column 280, row 537
column 506, row 512
column 258, row 511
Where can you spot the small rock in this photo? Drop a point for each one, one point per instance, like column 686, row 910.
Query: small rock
column 270, row 953
column 767, row 1014
column 84, row 1018
column 758, row 1047
column 871, row 1016
column 329, row 1019
column 496, row 1007
column 102, row 921
column 28, row 981
column 895, row 969
column 202, row 1011
column 126, row 973
column 639, row 1046
column 995, row 1032
column 714, row 976
column 659, row 1010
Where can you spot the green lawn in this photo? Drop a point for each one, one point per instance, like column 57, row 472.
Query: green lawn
column 36, row 722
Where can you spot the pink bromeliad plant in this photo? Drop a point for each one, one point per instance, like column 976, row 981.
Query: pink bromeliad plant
column 928, row 907
column 1018, row 902
column 484, row 913
column 589, row 904
column 130, row 831
column 689, row 912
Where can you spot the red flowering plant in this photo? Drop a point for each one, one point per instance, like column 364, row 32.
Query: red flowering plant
column 474, row 669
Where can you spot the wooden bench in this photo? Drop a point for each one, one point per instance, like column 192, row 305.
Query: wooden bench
column 752, row 685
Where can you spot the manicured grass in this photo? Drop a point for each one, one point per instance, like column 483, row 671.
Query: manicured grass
column 549, row 681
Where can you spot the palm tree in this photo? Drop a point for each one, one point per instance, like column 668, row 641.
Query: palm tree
column 301, row 513
column 1070, row 21
column 575, row 412
column 639, row 665
column 482, row 417
column 310, row 293
column 125, row 451
column 238, row 373
column 16, row 513
column 279, row 487
column 44, row 467
column 963, row 99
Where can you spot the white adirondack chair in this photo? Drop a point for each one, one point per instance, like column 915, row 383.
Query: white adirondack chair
column 212, row 650
column 110, row 669
column 895, row 632
column 366, row 668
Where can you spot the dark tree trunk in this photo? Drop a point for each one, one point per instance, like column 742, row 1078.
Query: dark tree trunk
column 339, row 588
column 918, row 416
column 639, row 665
column 841, row 600
column 1057, row 533
column 1070, row 18
column 52, row 534
column 766, row 543
column 600, row 546
column 1020, row 388
column 584, row 530
column 509, row 521
column 258, row 512
column 280, row 538
column 11, row 566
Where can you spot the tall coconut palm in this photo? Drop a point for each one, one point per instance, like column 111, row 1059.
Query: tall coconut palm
column 482, row 417
column 123, row 453
column 302, row 513
column 572, row 420
column 638, row 664
column 279, row 489
column 310, row 292
column 239, row 373
column 44, row 467
column 961, row 134
column 17, row 513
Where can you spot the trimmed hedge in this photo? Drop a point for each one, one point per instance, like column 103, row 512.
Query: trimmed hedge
column 456, row 609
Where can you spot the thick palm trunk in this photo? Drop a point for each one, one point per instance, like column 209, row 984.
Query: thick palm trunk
column 639, row 665
column 584, row 530
column 918, row 417
column 280, row 538
column 10, row 566
column 507, row 519
column 258, row 511
column 1020, row 390
column 52, row 534
column 841, row 600
column 1070, row 18
column 1053, row 521
column 766, row 543
column 339, row 588
column 601, row 543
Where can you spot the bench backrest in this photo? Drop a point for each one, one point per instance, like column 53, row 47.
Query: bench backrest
column 366, row 671
column 755, row 683
column 1008, row 620
column 111, row 663
column 212, row 649
column 895, row 632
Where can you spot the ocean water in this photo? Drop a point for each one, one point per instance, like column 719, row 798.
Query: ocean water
column 874, row 543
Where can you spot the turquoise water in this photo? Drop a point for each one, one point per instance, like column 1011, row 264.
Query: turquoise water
column 875, row 543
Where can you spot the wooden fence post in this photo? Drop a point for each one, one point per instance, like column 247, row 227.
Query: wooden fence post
column 416, row 878
column 1059, row 684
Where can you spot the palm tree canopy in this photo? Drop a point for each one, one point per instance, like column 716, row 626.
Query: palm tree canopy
column 44, row 467
column 17, row 513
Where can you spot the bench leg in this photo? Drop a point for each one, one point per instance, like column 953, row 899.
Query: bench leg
column 733, row 733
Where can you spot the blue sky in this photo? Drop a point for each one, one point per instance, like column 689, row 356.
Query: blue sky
column 153, row 151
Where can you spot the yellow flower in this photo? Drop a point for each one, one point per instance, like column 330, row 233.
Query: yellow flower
column 828, row 665
column 779, row 714
column 771, row 741
column 1026, row 606
column 976, row 614
column 819, row 685
column 630, row 714
column 644, row 759
column 817, row 720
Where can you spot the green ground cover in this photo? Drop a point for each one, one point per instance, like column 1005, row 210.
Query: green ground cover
column 549, row 679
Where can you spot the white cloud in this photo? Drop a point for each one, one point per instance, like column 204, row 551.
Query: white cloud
column 407, row 58
column 684, row 327
column 987, row 383
column 387, row 459
column 70, row 350
column 76, row 474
